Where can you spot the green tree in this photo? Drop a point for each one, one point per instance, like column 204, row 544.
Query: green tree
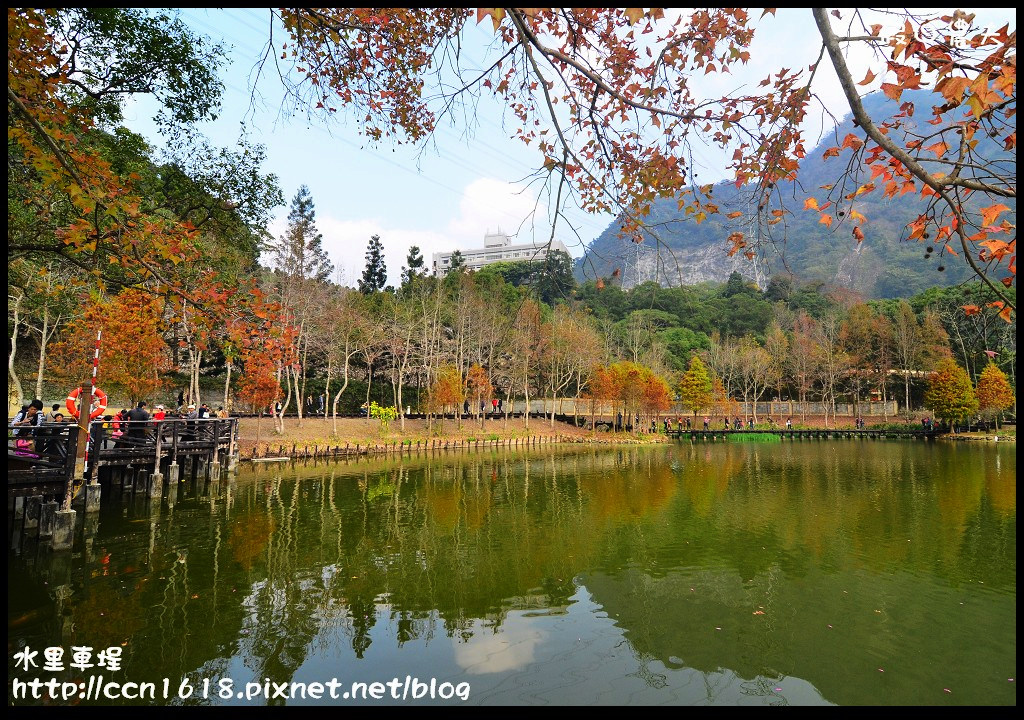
column 680, row 343
column 737, row 284
column 555, row 281
column 376, row 273
column 950, row 395
column 695, row 391
column 457, row 262
column 994, row 392
column 779, row 289
column 413, row 267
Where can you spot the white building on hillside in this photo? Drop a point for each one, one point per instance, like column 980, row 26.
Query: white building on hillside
column 498, row 247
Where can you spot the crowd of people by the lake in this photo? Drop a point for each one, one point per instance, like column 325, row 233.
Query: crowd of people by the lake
column 685, row 424
column 709, row 424
column 124, row 426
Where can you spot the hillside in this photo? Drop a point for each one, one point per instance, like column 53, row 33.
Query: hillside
column 881, row 266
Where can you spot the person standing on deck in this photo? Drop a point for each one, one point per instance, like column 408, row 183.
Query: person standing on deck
column 138, row 415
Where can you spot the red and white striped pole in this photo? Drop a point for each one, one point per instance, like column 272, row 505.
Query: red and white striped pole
column 92, row 399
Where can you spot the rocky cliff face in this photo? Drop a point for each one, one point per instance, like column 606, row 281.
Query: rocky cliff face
column 883, row 265
column 684, row 266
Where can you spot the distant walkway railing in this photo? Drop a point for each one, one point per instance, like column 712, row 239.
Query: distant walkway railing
column 820, row 433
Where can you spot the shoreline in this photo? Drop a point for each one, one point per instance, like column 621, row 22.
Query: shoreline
column 266, row 452
column 358, row 438
column 961, row 437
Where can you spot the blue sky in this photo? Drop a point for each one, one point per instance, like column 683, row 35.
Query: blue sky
column 450, row 193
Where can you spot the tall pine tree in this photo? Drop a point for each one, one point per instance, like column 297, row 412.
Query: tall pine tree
column 458, row 263
column 414, row 265
column 376, row 273
column 300, row 254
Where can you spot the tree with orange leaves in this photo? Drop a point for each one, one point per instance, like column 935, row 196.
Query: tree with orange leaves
column 133, row 353
column 600, row 390
column 445, row 392
column 950, row 395
column 258, row 385
column 656, row 397
column 994, row 392
column 478, row 387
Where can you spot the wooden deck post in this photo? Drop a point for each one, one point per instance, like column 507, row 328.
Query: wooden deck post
column 172, row 469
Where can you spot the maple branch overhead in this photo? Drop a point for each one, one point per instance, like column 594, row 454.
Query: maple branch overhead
column 865, row 122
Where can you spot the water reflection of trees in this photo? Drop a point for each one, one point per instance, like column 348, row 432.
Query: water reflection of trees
column 277, row 565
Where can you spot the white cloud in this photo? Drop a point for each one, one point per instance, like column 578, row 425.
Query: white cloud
column 486, row 205
column 510, row 649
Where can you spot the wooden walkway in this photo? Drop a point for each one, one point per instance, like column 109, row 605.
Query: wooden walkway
column 817, row 434
column 42, row 460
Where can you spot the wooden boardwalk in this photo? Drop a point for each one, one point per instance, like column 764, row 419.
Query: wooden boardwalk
column 42, row 460
column 816, row 434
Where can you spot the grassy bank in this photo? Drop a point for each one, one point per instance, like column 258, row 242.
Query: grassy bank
column 317, row 432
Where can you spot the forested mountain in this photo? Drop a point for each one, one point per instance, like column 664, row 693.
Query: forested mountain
column 883, row 265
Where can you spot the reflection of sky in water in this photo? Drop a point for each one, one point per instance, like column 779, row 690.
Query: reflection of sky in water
column 495, row 652
column 575, row 655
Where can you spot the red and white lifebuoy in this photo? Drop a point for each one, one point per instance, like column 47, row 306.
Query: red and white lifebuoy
column 72, row 403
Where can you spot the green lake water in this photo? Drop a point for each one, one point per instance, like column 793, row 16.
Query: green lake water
column 813, row 572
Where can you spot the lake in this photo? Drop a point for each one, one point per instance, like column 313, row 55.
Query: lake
column 843, row 572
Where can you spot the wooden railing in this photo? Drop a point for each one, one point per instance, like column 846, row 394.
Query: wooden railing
column 41, row 460
column 146, row 442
